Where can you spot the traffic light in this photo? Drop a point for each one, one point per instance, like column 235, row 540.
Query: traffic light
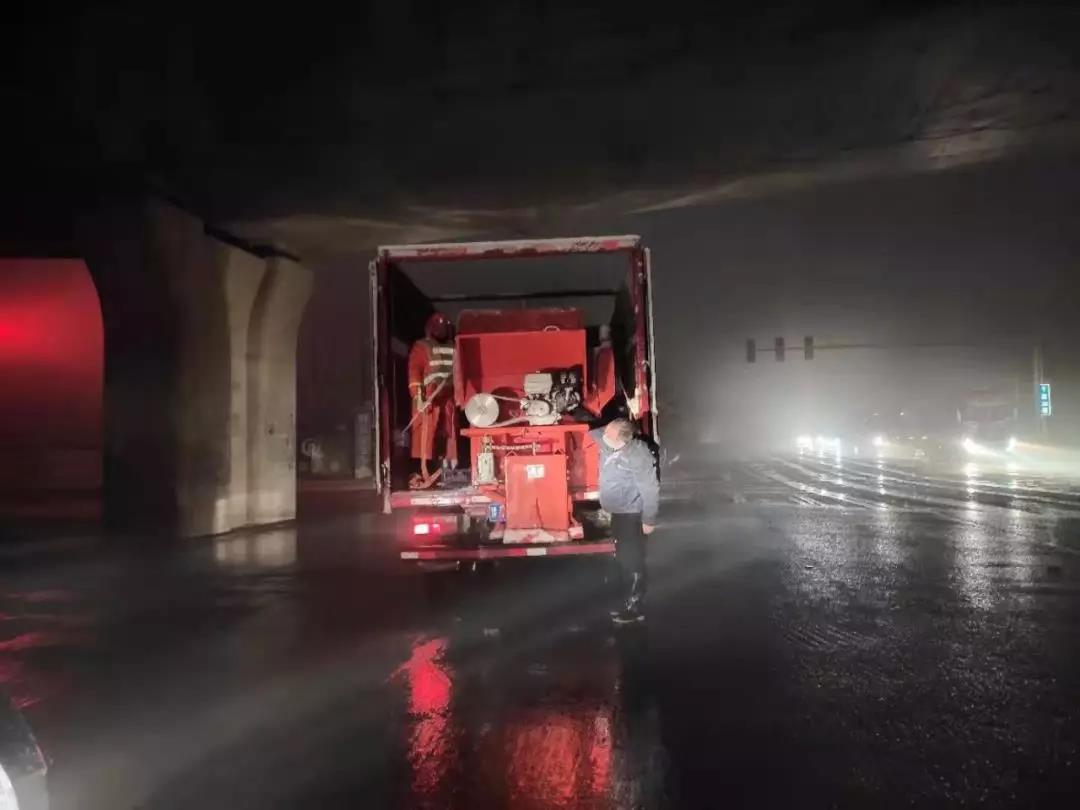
column 751, row 351
column 808, row 348
column 780, row 350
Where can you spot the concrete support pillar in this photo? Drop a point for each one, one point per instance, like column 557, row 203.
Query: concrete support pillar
column 275, row 325
column 200, row 341
column 243, row 279
column 215, row 287
column 139, row 317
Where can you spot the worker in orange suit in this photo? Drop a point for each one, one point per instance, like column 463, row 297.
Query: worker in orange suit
column 431, row 389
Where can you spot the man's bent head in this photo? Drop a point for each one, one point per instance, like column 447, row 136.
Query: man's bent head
column 618, row 432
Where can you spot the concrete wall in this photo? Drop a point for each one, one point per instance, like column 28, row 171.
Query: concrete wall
column 200, row 382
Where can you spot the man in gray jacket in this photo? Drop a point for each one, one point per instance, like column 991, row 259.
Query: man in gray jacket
column 630, row 491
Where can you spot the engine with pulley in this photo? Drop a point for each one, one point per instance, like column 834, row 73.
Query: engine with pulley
column 547, row 397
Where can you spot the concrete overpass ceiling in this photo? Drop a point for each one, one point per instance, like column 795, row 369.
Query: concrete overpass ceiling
column 427, row 119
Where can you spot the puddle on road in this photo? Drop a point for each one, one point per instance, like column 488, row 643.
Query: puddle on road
column 476, row 717
column 22, row 677
column 37, row 628
column 1065, row 532
column 274, row 549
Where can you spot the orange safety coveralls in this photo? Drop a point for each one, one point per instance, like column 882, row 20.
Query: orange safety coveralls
column 430, row 363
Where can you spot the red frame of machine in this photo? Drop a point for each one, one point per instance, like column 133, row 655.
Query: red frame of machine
column 581, row 464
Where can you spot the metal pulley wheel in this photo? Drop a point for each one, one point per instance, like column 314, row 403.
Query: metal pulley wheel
column 482, row 410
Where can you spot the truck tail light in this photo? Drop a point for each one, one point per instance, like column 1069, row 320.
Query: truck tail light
column 432, row 526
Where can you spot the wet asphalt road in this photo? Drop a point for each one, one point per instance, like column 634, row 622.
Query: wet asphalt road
column 817, row 636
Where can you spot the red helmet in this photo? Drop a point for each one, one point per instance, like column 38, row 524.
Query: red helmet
column 438, row 327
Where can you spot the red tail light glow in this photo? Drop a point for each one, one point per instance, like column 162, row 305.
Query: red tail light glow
column 432, row 528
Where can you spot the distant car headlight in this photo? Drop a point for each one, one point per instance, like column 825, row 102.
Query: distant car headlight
column 823, row 443
column 1011, row 446
column 879, row 441
column 970, row 445
column 804, row 443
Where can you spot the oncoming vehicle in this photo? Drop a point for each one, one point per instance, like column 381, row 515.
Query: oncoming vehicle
column 906, row 435
column 550, row 338
column 988, row 423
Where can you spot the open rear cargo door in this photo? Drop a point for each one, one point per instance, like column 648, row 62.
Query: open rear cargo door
column 399, row 311
column 641, row 385
column 379, row 362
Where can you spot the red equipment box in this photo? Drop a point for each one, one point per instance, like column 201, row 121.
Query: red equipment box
column 536, row 493
column 499, row 361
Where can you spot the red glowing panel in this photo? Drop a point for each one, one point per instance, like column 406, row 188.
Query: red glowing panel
column 51, row 363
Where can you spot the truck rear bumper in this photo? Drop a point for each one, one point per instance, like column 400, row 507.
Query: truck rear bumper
column 502, row 552
column 467, row 496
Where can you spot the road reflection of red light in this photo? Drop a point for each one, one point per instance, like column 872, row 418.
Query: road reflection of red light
column 30, row 641
column 560, row 760
column 12, row 676
column 429, row 703
column 548, row 757
column 600, row 754
column 429, row 683
column 44, row 596
column 27, row 687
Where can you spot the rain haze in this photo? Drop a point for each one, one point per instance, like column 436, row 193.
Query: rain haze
column 520, row 404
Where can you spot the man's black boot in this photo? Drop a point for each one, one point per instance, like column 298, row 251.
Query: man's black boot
column 631, row 612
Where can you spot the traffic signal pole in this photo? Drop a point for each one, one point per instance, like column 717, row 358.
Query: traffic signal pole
column 779, row 349
column 1038, row 373
column 1038, row 378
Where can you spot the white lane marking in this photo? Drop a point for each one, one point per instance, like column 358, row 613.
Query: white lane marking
column 876, row 489
column 1024, row 489
column 946, row 508
column 973, row 487
column 815, row 492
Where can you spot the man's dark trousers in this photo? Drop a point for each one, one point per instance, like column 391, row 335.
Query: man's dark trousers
column 630, row 554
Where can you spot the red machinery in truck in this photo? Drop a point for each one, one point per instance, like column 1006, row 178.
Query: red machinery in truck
column 552, row 336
